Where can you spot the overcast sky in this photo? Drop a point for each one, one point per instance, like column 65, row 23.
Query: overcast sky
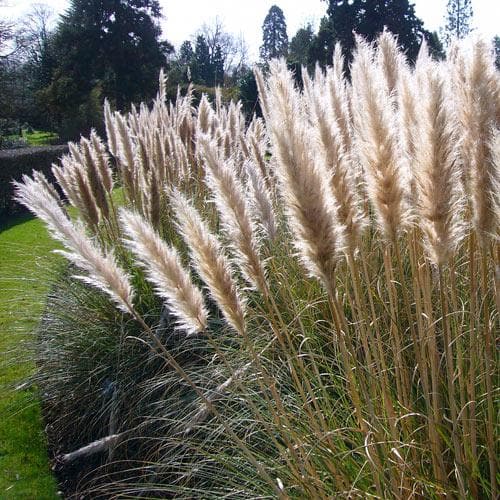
column 183, row 17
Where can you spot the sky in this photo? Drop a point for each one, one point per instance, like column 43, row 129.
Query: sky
column 182, row 18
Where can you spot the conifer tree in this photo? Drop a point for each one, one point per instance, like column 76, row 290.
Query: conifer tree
column 274, row 35
column 104, row 48
column 202, row 67
column 458, row 18
column 186, row 53
column 369, row 18
column 218, row 66
column 300, row 45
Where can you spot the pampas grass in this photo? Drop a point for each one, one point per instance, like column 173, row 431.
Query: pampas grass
column 164, row 269
column 338, row 262
column 210, row 261
column 309, row 203
column 234, row 212
column 377, row 144
column 102, row 269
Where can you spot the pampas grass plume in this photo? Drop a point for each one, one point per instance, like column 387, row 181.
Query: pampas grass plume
column 303, row 181
column 210, row 261
column 103, row 271
column 234, row 211
column 376, row 142
column 164, row 269
column 437, row 174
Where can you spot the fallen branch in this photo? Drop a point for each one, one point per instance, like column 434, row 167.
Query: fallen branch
column 219, row 392
column 98, row 446
column 108, row 442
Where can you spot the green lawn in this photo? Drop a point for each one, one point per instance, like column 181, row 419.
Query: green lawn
column 25, row 260
column 35, row 137
column 40, row 138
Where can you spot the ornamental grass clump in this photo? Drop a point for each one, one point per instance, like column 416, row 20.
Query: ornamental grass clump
column 302, row 305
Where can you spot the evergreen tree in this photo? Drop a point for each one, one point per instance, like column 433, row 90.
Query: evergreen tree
column 274, row 36
column 186, row 53
column 202, row 65
column 248, row 94
column 104, row 48
column 321, row 49
column 300, row 46
column 217, row 61
column 496, row 49
column 180, row 68
column 369, row 17
column 458, row 18
column 435, row 45
column 343, row 20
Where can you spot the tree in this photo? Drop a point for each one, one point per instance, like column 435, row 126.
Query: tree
column 217, row 61
column 274, row 36
column 496, row 49
column 202, row 64
column 239, row 65
column 217, row 57
column 343, row 19
column 37, row 31
column 369, row 17
column 322, row 45
column 104, row 48
column 458, row 18
column 300, row 45
column 24, row 58
column 223, row 46
column 8, row 40
column 435, row 45
column 249, row 94
column 186, row 53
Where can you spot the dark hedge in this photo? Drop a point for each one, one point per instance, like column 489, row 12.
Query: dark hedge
column 16, row 162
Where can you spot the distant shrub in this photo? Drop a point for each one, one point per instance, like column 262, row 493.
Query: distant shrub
column 13, row 142
column 9, row 127
column 16, row 162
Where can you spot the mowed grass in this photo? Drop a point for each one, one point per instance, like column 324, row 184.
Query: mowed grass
column 36, row 137
column 40, row 138
column 25, row 261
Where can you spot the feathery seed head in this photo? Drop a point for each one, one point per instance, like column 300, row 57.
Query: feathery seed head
column 262, row 201
column 210, row 261
column 390, row 59
column 480, row 112
column 165, row 271
column 437, row 175
column 303, row 180
column 234, row 212
column 377, row 144
column 110, row 129
column 102, row 269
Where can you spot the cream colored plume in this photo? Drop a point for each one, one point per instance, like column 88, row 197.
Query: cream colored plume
column 102, row 269
column 210, row 261
column 262, row 201
column 377, row 143
column 338, row 162
column 234, row 213
column 439, row 195
column 478, row 84
column 165, row 271
column 304, row 182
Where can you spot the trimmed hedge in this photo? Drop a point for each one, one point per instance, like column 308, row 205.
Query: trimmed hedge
column 16, row 162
